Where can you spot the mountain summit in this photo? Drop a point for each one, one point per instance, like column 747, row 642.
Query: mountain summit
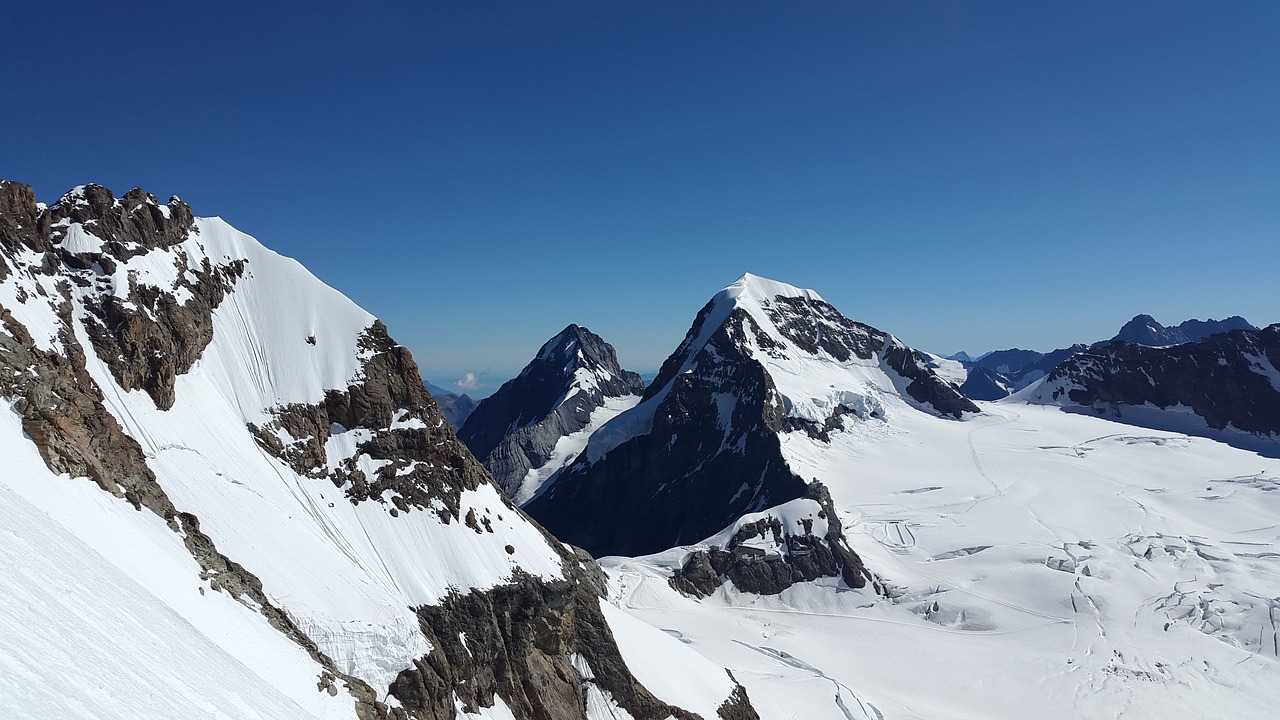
column 1144, row 330
column 538, row 422
column 763, row 361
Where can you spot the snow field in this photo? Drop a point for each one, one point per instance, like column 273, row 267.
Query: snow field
column 106, row 615
column 1044, row 563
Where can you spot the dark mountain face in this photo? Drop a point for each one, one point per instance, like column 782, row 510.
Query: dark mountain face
column 517, row 428
column 1144, row 330
column 519, row 636
column 689, row 476
column 1004, row 372
column 1228, row 379
column 703, row 446
column 455, row 408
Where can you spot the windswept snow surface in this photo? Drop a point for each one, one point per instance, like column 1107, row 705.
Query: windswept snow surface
column 105, row 615
column 1044, row 564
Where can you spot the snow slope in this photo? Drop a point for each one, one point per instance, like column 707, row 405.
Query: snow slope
column 111, row 607
column 1045, row 564
column 106, row 615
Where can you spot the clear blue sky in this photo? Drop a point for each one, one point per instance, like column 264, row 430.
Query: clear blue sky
column 966, row 175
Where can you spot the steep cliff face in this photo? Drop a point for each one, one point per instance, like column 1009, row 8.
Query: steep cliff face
column 292, row 451
column 1228, row 381
column 762, row 362
column 539, row 421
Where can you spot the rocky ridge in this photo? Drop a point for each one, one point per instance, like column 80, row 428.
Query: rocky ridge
column 1229, row 380
column 1144, row 330
column 703, row 446
column 61, row 266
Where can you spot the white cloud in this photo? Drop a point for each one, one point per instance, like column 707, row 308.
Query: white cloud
column 468, row 382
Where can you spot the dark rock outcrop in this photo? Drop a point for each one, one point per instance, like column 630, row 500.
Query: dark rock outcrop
column 455, row 408
column 514, row 642
column 517, row 428
column 687, row 478
column 521, row 631
column 424, row 460
column 1228, row 379
column 801, row 557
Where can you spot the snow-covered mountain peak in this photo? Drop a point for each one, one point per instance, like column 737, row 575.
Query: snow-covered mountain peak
column 763, row 361
column 539, row 421
column 577, row 348
column 754, row 288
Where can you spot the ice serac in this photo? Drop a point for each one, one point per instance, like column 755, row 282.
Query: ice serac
column 1144, row 330
column 1227, row 383
column 763, row 362
column 539, row 421
column 305, row 517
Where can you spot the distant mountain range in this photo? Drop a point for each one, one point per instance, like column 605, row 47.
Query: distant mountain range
column 1001, row 373
column 1144, row 330
column 455, row 407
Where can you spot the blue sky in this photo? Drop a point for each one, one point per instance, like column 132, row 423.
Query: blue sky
column 966, row 175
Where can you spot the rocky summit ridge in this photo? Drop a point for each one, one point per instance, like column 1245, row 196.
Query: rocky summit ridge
column 291, row 477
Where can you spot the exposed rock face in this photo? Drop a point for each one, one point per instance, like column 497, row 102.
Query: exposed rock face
column 611, row 508
column 1229, row 379
column 793, row 554
column 515, row 642
column 395, row 424
column 559, row 393
column 926, row 387
column 1144, row 330
column 703, row 446
column 63, row 414
column 1004, row 372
